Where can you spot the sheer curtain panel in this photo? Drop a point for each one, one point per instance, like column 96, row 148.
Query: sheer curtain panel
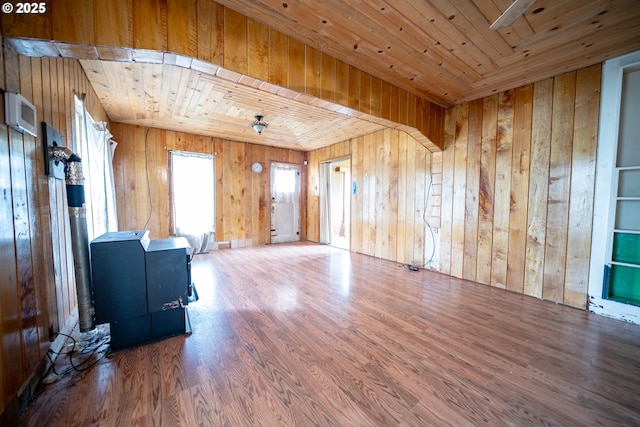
column 193, row 178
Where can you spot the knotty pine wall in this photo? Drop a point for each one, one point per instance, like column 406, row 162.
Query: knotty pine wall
column 518, row 180
column 242, row 197
column 207, row 31
column 37, row 285
column 392, row 172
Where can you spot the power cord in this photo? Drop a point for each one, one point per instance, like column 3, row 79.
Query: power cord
column 98, row 344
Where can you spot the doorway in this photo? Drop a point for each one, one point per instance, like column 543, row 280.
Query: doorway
column 614, row 282
column 285, row 202
column 335, row 203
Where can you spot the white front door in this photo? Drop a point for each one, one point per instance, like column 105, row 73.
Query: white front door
column 285, row 202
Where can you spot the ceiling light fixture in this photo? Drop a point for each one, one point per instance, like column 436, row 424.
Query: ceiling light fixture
column 258, row 125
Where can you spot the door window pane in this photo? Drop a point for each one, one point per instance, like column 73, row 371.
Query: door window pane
column 629, row 183
column 626, row 248
column 627, row 217
column 624, row 284
column 629, row 134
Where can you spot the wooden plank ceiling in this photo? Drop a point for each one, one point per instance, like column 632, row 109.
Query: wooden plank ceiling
column 444, row 50
column 183, row 99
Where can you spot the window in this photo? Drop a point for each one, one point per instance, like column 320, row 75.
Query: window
column 93, row 144
column 192, row 181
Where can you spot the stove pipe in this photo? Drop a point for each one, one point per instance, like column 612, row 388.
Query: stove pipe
column 79, row 236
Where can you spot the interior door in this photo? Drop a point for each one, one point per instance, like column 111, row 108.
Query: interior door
column 285, row 202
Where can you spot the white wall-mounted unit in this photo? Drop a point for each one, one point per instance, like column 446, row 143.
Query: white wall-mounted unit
column 20, row 114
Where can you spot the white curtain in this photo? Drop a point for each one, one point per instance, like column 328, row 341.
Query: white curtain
column 284, row 186
column 193, row 179
column 325, row 203
column 95, row 147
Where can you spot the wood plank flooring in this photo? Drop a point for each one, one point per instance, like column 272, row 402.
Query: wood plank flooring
column 307, row 335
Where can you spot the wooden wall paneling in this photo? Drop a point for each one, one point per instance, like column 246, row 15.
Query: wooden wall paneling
column 367, row 177
column 385, row 196
column 42, row 246
column 421, row 114
column 250, row 195
column 57, row 94
column 10, row 345
column 312, row 178
column 36, row 298
column 143, row 214
column 353, row 93
column 66, row 111
column 258, row 197
column 365, row 92
column 239, row 189
column 159, row 177
column 471, row 215
column 342, row 83
column 446, row 211
column 403, row 107
column 118, row 172
column 502, row 198
column 227, row 211
column 376, row 96
column 375, row 210
column 412, row 107
column 221, row 204
column 359, row 177
column 296, row 65
column 150, row 25
column 21, row 153
column 410, row 196
column 127, row 151
column 300, row 158
column 67, row 97
column 7, row 261
column 390, row 169
column 25, row 318
column 460, row 143
column 36, row 25
column 421, row 173
column 403, row 229
column 121, row 178
column 113, row 23
column 585, row 137
column 235, row 41
column 210, row 17
column 38, row 282
column 385, row 100
column 263, row 205
column 394, row 103
column 182, row 28
column 369, row 233
column 278, row 58
column 313, row 71
column 522, row 122
column 157, row 221
column 559, row 186
column 49, row 211
column 258, row 42
column 73, row 20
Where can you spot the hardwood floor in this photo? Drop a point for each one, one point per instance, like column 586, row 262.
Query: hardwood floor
column 312, row 335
